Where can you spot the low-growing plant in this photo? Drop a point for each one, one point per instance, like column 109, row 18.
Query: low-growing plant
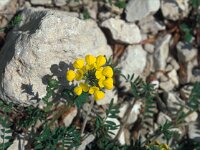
column 89, row 81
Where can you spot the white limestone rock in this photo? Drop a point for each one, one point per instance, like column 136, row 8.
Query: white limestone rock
column 185, row 52
column 133, row 61
column 121, row 31
column 175, row 9
column 162, row 118
column 4, row 3
column 161, row 52
column 150, row 25
column 60, row 2
column 174, row 77
column 41, row 2
column 138, row 9
column 45, row 44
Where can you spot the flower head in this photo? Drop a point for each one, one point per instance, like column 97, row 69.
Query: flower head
column 70, row 75
column 98, row 95
column 78, row 90
column 78, row 64
column 108, row 83
column 100, row 61
column 94, row 75
column 90, row 59
column 108, row 71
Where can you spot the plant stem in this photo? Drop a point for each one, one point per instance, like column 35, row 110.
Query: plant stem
column 124, row 121
column 86, row 119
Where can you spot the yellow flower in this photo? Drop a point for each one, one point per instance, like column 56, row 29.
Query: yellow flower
column 79, row 75
column 90, row 59
column 70, row 75
column 90, row 67
column 108, row 71
column 84, row 86
column 78, row 90
column 100, row 82
column 93, row 89
column 100, row 61
column 98, row 95
column 99, row 73
column 78, row 64
column 108, row 83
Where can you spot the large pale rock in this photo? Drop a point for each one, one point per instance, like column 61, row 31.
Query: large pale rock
column 123, row 32
column 150, row 25
column 161, row 52
column 41, row 2
column 44, row 44
column 133, row 61
column 194, row 131
column 185, row 52
column 138, row 9
column 3, row 3
column 175, row 9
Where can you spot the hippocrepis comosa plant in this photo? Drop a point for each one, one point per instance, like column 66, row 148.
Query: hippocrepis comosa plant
column 42, row 127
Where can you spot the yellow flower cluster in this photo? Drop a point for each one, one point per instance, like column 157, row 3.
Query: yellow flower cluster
column 93, row 75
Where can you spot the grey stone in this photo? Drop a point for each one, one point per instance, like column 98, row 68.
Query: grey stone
column 191, row 117
column 41, row 2
column 173, row 76
column 150, row 25
column 45, row 43
column 161, row 52
column 137, row 10
column 185, row 92
column 173, row 102
column 121, row 31
column 134, row 54
column 86, row 141
column 185, row 52
column 69, row 116
column 162, row 118
column 167, row 85
column 60, row 2
column 194, row 131
column 175, row 9
column 4, row 3
column 149, row 48
column 135, row 111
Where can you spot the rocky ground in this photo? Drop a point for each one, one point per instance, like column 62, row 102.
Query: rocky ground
column 158, row 40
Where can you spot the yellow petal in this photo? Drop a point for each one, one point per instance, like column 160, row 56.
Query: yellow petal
column 100, row 61
column 108, row 83
column 98, row 95
column 84, row 86
column 99, row 73
column 100, row 82
column 70, row 75
column 93, row 89
column 78, row 90
column 108, row 71
column 78, row 64
column 90, row 59
column 79, row 75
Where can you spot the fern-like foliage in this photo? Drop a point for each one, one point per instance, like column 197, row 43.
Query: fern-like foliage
column 6, row 133
column 104, row 128
column 59, row 138
column 165, row 130
column 32, row 115
column 194, row 99
column 144, row 91
column 5, row 122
